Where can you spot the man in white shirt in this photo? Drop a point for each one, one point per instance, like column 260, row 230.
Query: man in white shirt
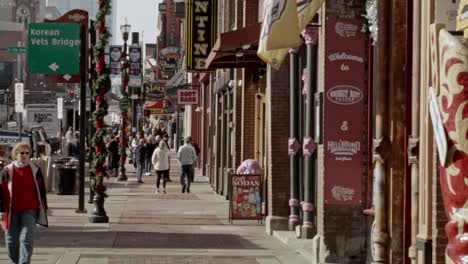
column 187, row 157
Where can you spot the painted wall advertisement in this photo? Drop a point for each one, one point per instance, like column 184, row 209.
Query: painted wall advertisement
column 246, row 198
column 344, row 111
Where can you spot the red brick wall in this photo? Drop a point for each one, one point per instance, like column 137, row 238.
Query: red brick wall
column 278, row 131
column 439, row 219
column 248, row 117
column 250, row 12
column 238, row 119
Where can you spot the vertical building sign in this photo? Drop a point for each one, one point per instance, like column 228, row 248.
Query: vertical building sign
column 200, row 32
column 344, row 111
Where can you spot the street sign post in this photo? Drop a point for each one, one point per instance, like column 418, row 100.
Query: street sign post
column 16, row 50
column 60, row 108
column 54, row 48
column 19, row 97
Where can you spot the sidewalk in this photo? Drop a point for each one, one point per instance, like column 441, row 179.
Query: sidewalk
column 145, row 227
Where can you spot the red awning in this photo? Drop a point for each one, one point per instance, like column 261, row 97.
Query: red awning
column 236, row 49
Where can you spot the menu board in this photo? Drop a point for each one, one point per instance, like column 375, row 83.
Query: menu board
column 246, row 197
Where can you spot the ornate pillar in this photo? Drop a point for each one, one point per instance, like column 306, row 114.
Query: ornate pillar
column 413, row 140
column 124, row 104
column 294, row 144
column 310, row 35
column 101, row 87
column 452, row 99
column 380, row 145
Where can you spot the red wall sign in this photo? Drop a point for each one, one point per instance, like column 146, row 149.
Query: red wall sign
column 344, row 111
column 186, row 97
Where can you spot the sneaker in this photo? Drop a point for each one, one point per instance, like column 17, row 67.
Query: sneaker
column 157, row 191
column 164, row 191
column 148, row 173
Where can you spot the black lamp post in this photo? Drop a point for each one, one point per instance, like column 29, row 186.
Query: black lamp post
column 125, row 29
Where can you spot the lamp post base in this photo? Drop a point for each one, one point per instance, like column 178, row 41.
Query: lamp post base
column 99, row 214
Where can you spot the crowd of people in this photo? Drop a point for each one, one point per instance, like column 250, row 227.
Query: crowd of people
column 23, row 202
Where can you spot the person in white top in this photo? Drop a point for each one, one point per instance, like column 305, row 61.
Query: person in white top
column 187, row 157
column 161, row 163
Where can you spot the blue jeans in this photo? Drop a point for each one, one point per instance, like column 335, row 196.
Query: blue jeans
column 186, row 177
column 139, row 172
column 20, row 236
column 148, row 165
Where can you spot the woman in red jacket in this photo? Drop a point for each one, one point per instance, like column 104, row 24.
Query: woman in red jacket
column 23, row 203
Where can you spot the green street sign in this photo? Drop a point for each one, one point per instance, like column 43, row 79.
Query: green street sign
column 54, row 48
column 14, row 50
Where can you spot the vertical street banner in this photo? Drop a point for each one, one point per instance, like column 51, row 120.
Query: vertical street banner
column 134, row 71
column 344, row 111
column 115, row 60
column 200, row 32
column 246, row 197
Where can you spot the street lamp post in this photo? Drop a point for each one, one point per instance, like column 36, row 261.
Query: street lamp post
column 125, row 29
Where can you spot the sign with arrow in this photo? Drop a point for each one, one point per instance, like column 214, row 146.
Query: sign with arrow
column 80, row 17
column 54, row 48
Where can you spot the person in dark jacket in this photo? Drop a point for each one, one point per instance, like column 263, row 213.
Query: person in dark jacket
column 73, row 146
column 150, row 147
column 114, row 157
column 23, row 203
column 140, row 158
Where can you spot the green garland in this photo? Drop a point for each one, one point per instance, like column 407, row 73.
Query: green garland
column 100, row 87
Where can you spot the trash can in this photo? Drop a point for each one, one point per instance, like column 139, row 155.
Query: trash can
column 65, row 176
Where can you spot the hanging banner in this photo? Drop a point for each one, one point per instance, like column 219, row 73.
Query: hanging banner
column 134, row 71
column 200, row 32
column 246, row 197
column 344, row 111
column 115, row 59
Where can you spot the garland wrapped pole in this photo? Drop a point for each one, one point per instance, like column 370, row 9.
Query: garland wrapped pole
column 124, row 104
column 101, row 87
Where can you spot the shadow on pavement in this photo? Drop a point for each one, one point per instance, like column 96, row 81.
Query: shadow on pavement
column 76, row 239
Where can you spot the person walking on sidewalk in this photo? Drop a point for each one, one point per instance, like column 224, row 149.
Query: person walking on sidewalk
column 150, row 147
column 187, row 158
column 113, row 155
column 140, row 157
column 161, row 162
column 23, row 203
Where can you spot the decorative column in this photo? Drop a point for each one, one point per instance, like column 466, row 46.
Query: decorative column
column 451, row 100
column 124, row 104
column 310, row 35
column 294, row 145
column 101, row 87
column 413, row 140
column 380, row 145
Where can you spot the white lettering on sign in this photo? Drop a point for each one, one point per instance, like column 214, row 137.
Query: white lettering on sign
column 337, row 56
column 344, row 147
column 243, row 181
column 344, row 95
column 341, row 193
column 45, row 32
column 346, row 30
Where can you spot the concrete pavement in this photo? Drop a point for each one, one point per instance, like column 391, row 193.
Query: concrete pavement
column 145, row 227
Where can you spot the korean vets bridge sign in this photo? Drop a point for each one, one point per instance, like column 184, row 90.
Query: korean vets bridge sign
column 54, row 48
